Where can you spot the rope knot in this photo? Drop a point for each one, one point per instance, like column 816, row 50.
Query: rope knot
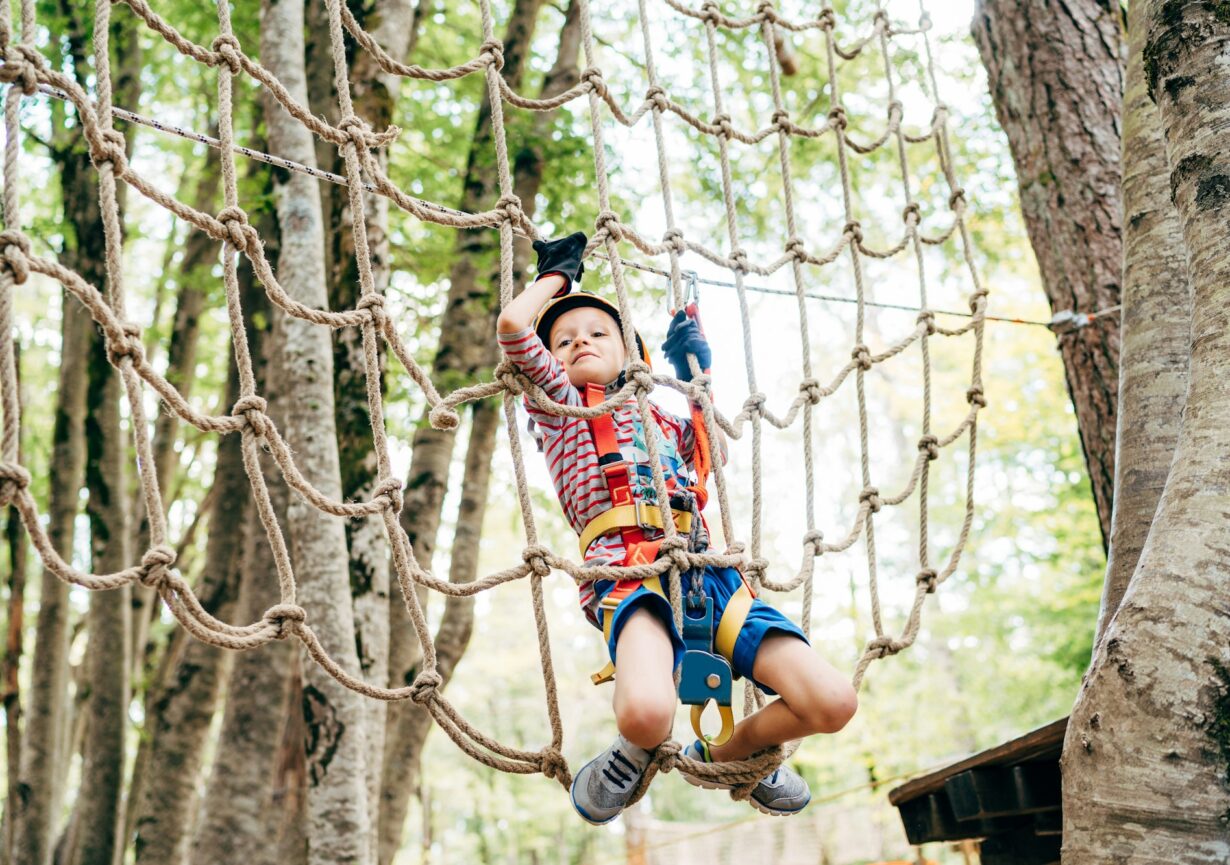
column 702, row 381
column 815, row 537
column 871, row 496
column 927, row 317
column 357, row 130
column 975, row 396
column 795, row 247
column 374, row 304
column 674, row 239
column 975, row 298
column 725, row 128
column 13, row 479
column 811, row 389
column 710, row 13
column 228, row 50
column 667, row 755
column 924, row 22
column 154, row 565
column 781, row 121
column 592, row 76
column 125, row 345
column 880, row 22
column 390, row 489
column 108, row 147
column 443, row 418
column 754, row 404
column 252, row 409
column 240, row 234
column 656, row 95
column 508, row 206
column 911, row 215
column 641, row 375
column 764, row 9
column 837, row 117
column 22, row 63
column 15, row 247
column 895, row 112
column 505, row 373
column 930, row 445
column 286, row 618
column 608, row 225
column 885, row 646
column 757, row 568
column 553, row 765
column 536, row 556
column 827, row 19
column 494, row 51
column 739, row 258
column 956, row 201
column 423, row 688
column 861, row 355
column 854, row 230
column 928, row 577
column 676, row 549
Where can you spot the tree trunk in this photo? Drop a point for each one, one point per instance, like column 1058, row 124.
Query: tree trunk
column 14, row 645
column 200, row 253
column 182, row 703
column 36, row 810
column 235, row 817
column 1056, row 78
column 334, row 735
column 394, row 24
column 1156, row 329
column 1145, row 762
column 466, row 350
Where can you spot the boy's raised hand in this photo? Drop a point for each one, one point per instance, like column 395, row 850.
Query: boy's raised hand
column 683, row 337
column 562, row 256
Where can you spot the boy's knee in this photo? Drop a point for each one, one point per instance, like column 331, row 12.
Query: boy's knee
column 645, row 720
column 828, row 711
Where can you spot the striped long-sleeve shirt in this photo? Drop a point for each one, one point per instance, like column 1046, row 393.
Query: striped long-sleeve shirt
column 572, row 458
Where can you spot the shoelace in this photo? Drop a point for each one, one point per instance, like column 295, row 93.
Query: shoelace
column 616, row 775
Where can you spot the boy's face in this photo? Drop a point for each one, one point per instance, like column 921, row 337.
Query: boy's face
column 589, row 344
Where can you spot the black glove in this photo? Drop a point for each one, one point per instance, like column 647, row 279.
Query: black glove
column 562, row 256
column 683, row 337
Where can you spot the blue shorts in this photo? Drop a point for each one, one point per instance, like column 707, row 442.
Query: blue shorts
column 720, row 584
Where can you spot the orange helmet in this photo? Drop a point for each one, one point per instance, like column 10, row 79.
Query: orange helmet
column 557, row 306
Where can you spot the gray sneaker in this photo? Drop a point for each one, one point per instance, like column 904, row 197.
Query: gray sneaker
column 603, row 785
column 781, row 794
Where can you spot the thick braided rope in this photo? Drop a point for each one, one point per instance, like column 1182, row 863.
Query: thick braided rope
column 24, row 66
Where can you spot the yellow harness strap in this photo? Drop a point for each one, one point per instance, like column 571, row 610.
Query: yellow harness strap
column 631, row 515
column 728, row 627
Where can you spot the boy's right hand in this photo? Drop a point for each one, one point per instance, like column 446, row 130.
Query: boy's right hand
column 562, row 256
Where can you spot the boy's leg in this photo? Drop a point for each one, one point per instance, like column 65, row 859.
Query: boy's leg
column 814, row 698
column 644, row 682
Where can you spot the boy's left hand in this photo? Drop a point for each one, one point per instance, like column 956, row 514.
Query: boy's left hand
column 683, row 337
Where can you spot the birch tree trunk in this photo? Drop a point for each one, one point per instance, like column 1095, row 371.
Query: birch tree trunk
column 1056, row 79
column 394, row 24
column 335, row 735
column 466, row 349
column 1145, row 762
column 235, row 821
column 1156, row 326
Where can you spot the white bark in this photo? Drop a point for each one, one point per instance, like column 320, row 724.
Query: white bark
column 1145, row 762
column 337, row 828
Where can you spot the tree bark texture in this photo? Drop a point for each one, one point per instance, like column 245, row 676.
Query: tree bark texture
column 185, row 694
column 200, row 253
column 235, row 820
column 1156, row 326
column 1056, row 79
column 1145, row 762
column 14, row 721
column 394, row 24
column 303, row 361
column 466, row 351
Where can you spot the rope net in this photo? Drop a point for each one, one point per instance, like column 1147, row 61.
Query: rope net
column 26, row 70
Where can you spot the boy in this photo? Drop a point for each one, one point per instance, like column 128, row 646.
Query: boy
column 572, row 346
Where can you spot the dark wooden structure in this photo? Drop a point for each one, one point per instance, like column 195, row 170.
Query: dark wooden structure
column 1007, row 795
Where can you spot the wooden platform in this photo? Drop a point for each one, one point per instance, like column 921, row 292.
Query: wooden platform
column 1008, row 795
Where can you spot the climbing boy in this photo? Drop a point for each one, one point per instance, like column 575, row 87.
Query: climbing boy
column 571, row 344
